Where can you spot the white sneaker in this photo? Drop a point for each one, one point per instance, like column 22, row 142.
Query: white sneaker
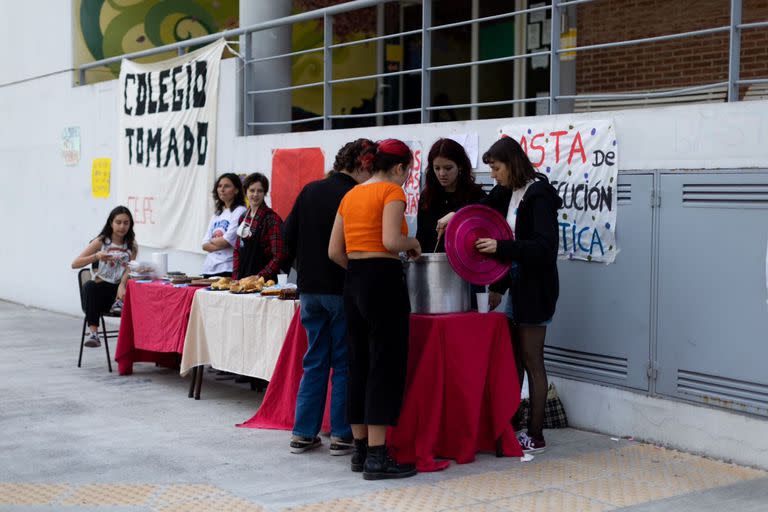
column 117, row 307
column 92, row 340
column 529, row 444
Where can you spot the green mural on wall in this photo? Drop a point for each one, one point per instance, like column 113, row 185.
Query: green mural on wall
column 107, row 28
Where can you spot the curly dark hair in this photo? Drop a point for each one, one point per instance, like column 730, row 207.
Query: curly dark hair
column 239, row 199
column 466, row 187
column 355, row 154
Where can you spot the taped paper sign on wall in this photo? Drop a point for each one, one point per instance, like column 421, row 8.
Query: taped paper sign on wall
column 581, row 161
column 100, row 174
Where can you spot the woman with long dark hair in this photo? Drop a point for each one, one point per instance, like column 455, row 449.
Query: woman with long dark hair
column 530, row 203
column 220, row 237
column 450, row 186
column 111, row 251
column 368, row 234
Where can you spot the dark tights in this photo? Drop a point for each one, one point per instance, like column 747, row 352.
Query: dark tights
column 528, row 343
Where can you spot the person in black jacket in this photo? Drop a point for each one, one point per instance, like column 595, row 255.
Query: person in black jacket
column 307, row 232
column 528, row 201
column 450, row 186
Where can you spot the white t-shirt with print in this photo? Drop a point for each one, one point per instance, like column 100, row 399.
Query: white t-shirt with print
column 222, row 225
column 112, row 270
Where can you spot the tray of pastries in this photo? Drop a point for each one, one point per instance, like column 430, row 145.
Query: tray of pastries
column 183, row 279
column 251, row 284
column 221, row 284
column 288, row 291
column 289, row 294
column 200, row 281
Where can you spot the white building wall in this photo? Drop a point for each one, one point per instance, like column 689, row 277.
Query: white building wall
column 48, row 214
column 32, row 43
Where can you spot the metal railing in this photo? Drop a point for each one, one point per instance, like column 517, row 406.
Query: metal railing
column 554, row 99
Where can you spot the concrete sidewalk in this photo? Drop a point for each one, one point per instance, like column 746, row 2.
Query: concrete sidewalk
column 84, row 439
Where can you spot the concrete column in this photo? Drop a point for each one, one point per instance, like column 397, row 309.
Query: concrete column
column 271, row 74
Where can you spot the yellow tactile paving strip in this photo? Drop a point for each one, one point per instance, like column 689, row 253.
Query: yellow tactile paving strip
column 110, row 494
column 228, row 503
column 30, row 494
column 591, row 482
column 551, row 501
column 183, row 493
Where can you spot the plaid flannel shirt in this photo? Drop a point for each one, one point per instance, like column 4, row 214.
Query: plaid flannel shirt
column 266, row 225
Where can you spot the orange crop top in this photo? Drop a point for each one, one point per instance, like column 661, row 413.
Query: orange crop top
column 362, row 210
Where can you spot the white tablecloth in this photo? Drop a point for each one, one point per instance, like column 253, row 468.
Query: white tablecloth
column 241, row 334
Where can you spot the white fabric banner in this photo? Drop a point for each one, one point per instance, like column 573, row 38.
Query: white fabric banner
column 580, row 158
column 167, row 154
column 413, row 186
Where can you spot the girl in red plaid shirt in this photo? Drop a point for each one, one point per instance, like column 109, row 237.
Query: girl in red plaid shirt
column 259, row 249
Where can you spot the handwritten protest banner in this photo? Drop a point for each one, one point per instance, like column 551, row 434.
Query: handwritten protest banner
column 412, row 187
column 167, row 118
column 580, row 158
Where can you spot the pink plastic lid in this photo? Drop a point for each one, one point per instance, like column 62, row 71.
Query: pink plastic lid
column 466, row 226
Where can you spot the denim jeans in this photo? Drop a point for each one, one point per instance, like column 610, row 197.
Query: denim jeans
column 323, row 318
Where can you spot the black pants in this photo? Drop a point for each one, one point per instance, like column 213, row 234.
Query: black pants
column 377, row 306
column 99, row 297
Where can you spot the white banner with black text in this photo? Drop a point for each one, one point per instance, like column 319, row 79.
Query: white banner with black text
column 167, row 118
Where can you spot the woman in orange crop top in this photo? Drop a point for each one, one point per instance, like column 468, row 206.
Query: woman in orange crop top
column 368, row 233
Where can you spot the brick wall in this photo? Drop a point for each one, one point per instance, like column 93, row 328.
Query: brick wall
column 684, row 62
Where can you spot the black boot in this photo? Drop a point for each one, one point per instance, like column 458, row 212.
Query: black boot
column 379, row 465
column 359, row 455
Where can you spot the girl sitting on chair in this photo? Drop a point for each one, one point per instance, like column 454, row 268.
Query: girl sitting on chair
column 110, row 251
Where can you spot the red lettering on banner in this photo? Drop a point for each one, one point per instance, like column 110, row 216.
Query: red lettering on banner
column 535, row 147
column 417, row 160
column 143, row 214
column 147, row 209
column 577, row 141
column 133, row 202
column 524, row 144
column 557, row 136
column 412, row 204
column 412, row 183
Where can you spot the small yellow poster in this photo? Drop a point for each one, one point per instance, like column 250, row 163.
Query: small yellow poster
column 100, row 172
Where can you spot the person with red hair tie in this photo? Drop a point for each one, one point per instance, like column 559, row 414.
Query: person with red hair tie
column 368, row 234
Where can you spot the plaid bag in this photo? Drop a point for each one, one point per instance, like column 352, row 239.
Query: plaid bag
column 554, row 412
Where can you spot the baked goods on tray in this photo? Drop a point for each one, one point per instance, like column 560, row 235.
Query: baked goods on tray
column 222, row 283
column 250, row 284
column 289, row 294
column 270, row 292
column 203, row 282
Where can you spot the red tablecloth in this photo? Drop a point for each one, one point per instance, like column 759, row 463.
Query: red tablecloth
column 461, row 389
column 153, row 324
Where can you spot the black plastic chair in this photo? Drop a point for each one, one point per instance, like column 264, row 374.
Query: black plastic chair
column 83, row 277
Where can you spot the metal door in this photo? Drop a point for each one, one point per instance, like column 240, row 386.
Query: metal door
column 602, row 328
column 712, row 311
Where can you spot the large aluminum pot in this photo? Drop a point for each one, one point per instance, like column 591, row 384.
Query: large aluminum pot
column 434, row 287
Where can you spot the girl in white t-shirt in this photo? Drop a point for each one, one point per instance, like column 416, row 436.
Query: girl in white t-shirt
column 110, row 251
column 220, row 237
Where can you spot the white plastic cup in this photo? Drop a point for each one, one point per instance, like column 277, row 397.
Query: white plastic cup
column 483, row 305
column 282, row 279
